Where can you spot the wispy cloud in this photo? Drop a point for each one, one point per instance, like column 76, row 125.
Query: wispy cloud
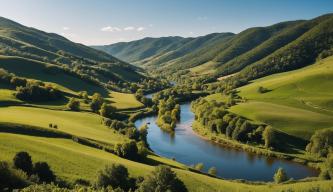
column 69, row 35
column 202, row 18
column 110, row 29
column 65, row 28
column 129, row 28
column 140, row 28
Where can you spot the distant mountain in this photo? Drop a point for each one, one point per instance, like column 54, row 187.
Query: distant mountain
column 255, row 52
column 30, row 43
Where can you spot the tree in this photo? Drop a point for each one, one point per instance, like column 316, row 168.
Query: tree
column 321, row 142
column 199, row 166
column 280, row 176
column 162, row 179
column 11, row 178
column 114, row 175
column 268, row 136
column 128, row 150
column 212, row 171
column 44, row 172
column 22, row 160
column 73, row 104
column 96, row 102
column 107, row 110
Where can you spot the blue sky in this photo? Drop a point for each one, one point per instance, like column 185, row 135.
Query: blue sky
column 95, row 22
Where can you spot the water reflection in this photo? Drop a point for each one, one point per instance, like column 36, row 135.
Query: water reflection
column 186, row 147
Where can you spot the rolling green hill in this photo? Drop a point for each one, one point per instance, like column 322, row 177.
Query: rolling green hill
column 35, row 46
column 298, row 102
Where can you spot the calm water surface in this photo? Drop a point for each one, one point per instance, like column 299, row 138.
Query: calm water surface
column 186, row 147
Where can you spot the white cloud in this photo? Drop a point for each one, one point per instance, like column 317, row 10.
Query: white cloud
column 140, row 29
column 129, row 28
column 69, row 35
column 202, row 18
column 65, row 28
column 191, row 32
column 111, row 29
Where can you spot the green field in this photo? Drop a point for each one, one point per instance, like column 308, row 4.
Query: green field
column 297, row 102
column 72, row 161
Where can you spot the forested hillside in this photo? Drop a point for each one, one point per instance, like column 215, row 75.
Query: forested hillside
column 255, row 52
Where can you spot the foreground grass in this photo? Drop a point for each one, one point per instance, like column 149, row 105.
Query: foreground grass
column 72, row 161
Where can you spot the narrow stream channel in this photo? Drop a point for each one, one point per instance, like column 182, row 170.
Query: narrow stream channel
column 188, row 148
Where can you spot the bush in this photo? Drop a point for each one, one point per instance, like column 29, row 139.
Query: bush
column 127, row 150
column 321, row 142
column 212, row 171
column 280, row 176
column 11, row 178
column 73, row 104
column 96, row 102
column 43, row 171
column 107, row 110
column 199, row 166
column 115, row 176
column 22, row 160
column 37, row 92
column 269, row 136
column 162, row 179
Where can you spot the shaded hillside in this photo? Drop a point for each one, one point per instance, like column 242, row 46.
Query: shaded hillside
column 25, row 47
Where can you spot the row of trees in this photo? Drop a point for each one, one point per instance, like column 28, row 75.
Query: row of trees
column 321, row 143
column 215, row 117
column 162, row 179
column 30, row 90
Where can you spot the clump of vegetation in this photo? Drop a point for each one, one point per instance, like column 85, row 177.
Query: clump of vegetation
column 73, row 104
column 107, row 110
column 199, row 166
column 168, row 114
column 262, row 90
column 321, row 143
column 160, row 180
column 130, row 150
column 96, row 102
column 115, row 176
column 215, row 118
column 280, row 176
column 12, row 178
column 212, row 171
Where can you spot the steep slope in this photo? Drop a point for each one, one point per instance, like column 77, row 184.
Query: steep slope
column 44, row 53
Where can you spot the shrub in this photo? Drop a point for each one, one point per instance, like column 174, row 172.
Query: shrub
column 212, row 171
column 199, row 166
column 321, row 142
column 162, row 179
column 280, row 176
column 96, row 102
column 11, row 178
column 128, row 150
column 43, row 171
column 22, row 160
column 107, row 110
column 269, row 136
column 114, row 175
column 73, row 104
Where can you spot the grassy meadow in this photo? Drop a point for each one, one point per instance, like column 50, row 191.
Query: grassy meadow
column 298, row 102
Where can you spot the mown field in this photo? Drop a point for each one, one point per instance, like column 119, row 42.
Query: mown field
column 297, row 102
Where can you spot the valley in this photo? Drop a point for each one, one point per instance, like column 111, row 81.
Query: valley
column 247, row 111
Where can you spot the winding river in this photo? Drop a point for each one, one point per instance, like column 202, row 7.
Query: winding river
column 188, row 148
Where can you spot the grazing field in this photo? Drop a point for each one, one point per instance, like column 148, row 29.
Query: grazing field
column 124, row 100
column 297, row 102
column 82, row 124
column 72, row 161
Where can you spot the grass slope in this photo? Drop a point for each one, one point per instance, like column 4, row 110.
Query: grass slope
column 298, row 103
column 72, row 161
column 82, row 124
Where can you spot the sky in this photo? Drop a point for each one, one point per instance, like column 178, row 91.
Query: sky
column 101, row 22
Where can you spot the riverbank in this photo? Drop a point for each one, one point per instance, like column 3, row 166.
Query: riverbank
column 304, row 159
